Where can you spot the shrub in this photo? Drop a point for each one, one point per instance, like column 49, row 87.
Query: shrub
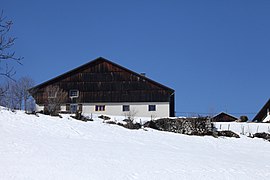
column 190, row 126
column 227, row 134
column 104, row 117
column 243, row 118
column 262, row 135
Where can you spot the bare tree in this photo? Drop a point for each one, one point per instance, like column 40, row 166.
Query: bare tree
column 20, row 91
column 26, row 83
column 130, row 115
column 15, row 95
column 54, row 98
column 2, row 93
column 31, row 105
column 2, row 90
column 6, row 42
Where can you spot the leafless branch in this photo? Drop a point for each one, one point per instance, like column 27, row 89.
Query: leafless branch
column 6, row 43
column 9, row 72
column 54, row 98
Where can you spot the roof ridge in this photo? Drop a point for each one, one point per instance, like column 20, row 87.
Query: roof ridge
column 225, row 113
column 100, row 59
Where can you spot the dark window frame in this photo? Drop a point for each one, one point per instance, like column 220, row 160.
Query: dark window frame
column 152, row 107
column 71, row 93
column 126, row 108
column 100, row 108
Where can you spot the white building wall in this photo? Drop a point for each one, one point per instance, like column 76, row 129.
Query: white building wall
column 116, row 109
column 63, row 108
column 39, row 108
column 136, row 109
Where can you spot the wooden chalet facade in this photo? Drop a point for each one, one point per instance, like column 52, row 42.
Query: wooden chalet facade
column 104, row 87
column 264, row 114
column 224, row 117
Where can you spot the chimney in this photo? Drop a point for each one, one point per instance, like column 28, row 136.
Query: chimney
column 143, row 74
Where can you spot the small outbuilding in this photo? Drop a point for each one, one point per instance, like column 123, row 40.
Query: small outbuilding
column 264, row 114
column 224, row 117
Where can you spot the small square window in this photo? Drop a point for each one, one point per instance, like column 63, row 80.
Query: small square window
column 100, row 108
column 152, row 108
column 125, row 107
column 73, row 93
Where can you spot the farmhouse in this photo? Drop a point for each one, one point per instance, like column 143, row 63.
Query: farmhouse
column 104, row 87
column 264, row 114
column 224, row 117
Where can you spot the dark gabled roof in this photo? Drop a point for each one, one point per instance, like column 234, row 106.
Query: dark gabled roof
column 96, row 61
column 263, row 112
column 223, row 113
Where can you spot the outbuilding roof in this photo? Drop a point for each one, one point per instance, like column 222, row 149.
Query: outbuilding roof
column 263, row 112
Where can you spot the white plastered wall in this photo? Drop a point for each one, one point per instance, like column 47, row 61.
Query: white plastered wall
column 136, row 109
column 116, row 109
column 39, row 108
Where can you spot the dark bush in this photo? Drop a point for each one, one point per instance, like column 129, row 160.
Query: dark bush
column 104, row 117
column 243, row 118
column 190, row 126
column 262, row 135
column 80, row 117
column 227, row 134
column 130, row 125
column 151, row 124
column 110, row 122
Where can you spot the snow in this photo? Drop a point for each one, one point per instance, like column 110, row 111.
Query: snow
column 267, row 119
column 47, row 147
column 243, row 128
column 140, row 120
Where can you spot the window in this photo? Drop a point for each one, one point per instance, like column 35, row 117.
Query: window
column 73, row 93
column 152, row 108
column 100, row 108
column 73, row 108
column 125, row 107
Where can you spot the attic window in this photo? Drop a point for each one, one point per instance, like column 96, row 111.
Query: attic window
column 73, row 93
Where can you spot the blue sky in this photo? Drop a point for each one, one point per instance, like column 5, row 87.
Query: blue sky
column 215, row 54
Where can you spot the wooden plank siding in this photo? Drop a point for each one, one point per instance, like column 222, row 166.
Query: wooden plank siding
column 104, row 81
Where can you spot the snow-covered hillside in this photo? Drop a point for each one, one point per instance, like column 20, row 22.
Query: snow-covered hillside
column 62, row 148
